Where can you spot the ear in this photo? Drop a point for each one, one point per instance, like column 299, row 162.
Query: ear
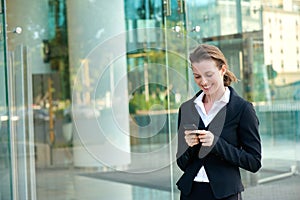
column 223, row 69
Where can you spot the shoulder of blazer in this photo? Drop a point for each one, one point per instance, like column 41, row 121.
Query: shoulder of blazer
column 236, row 102
column 191, row 100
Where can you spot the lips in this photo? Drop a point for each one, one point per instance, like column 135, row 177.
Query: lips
column 205, row 87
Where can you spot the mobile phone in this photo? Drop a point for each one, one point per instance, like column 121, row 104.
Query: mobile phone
column 190, row 127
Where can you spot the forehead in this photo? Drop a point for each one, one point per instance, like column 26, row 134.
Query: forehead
column 204, row 66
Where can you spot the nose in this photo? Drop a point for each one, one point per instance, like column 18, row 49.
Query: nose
column 203, row 81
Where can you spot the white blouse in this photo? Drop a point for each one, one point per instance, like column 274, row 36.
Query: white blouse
column 207, row 118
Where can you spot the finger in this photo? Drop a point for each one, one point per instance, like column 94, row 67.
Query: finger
column 192, row 136
column 202, row 134
column 189, row 140
column 206, row 142
column 189, row 132
column 201, row 137
column 194, row 141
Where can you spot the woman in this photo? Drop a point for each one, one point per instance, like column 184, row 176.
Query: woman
column 226, row 135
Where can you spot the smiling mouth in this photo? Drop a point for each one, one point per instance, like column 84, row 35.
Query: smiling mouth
column 205, row 88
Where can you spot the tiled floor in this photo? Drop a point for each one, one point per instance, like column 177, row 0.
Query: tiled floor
column 66, row 184
column 69, row 184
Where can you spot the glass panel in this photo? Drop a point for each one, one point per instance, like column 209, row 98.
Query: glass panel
column 262, row 49
column 5, row 167
column 22, row 124
column 279, row 113
column 109, row 76
column 178, row 76
column 5, row 155
column 216, row 18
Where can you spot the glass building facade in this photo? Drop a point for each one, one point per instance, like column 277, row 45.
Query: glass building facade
column 90, row 92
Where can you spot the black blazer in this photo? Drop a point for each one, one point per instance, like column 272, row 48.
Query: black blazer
column 237, row 145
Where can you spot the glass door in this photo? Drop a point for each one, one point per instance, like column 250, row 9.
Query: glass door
column 157, row 83
column 5, row 151
column 179, row 81
column 21, row 124
column 220, row 23
column 17, row 150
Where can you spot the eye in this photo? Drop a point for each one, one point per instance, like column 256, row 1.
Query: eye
column 196, row 76
column 209, row 74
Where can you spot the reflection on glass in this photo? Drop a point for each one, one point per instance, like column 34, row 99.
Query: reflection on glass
column 133, row 86
column 5, row 156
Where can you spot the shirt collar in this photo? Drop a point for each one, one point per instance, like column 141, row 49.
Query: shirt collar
column 225, row 98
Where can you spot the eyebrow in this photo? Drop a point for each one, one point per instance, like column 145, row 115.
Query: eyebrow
column 204, row 72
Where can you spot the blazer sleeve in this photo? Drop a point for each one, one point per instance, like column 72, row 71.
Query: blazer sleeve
column 247, row 154
column 185, row 155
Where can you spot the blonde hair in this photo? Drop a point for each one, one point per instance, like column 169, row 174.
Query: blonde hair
column 208, row 52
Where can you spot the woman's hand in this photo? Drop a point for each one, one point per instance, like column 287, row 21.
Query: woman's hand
column 193, row 137
column 206, row 138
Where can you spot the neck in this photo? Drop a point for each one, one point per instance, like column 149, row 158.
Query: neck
column 211, row 98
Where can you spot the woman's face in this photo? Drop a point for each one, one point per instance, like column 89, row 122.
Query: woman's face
column 208, row 76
